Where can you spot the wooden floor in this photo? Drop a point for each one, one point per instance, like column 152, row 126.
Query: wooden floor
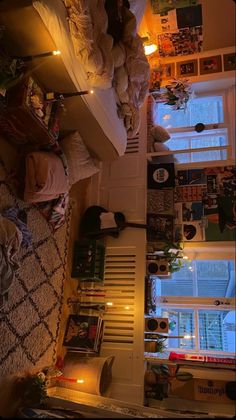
column 8, row 403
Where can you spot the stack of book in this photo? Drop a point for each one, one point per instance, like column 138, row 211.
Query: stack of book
column 84, row 333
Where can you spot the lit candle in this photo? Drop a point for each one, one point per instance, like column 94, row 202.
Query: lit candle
column 71, row 380
column 46, row 54
column 57, row 96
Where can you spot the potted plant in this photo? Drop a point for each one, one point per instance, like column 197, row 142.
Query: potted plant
column 176, row 94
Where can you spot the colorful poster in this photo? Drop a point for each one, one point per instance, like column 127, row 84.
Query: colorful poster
column 192, row 211
column 160, row 227
column 163, row 6
column 184, row 42
column 189, row 193
column 191, row 177
column 193, row 231
column 160, row 201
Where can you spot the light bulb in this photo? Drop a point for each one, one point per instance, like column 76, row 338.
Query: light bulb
column 150, row 49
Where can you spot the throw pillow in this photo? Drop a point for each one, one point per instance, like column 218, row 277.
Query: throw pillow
column 80, row 162
column 160, row 147
column 159, row 133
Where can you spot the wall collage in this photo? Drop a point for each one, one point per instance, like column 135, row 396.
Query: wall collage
column 180, row 32
column 190, row 205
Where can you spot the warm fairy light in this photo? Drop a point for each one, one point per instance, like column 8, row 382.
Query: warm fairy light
column 56, row 52
column 185, row 257
column 91, row 91
column 109, row 303
column 127, row 307
column 80, row 381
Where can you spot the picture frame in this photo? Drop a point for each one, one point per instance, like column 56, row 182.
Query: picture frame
column 167, row 71
column 187, row 68
column 210, row 65
column 229, row 61
column 83, row 333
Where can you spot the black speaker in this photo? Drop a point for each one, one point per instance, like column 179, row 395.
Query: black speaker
column 157, row 325
column 157, row 267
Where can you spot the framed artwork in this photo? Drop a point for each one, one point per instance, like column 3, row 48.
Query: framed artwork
column 187, row 68
column 211, row 64
column 160, row 227
column 229, row 61
column 83, row 332
column 167, row 70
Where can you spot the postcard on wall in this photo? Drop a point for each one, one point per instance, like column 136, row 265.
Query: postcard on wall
column 163, row 6
column 184, row 42
column 160, row 175
column 191, row 177
column 160, row 201
column 189, row 193
column 192, row 211
column 160, row 227
column 193, row 231
column 167, row 23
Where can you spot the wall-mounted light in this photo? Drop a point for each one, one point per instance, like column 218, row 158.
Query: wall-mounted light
column 149, row 46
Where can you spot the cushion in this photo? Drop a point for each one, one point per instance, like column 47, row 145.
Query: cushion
column 159, row 133
column 45, row 177
column 160, row 147
column 80, row 163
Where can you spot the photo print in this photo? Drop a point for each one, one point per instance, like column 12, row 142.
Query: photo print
column 210, row 64
column 187, row 68
column 193, row 231
column 191, row 177
column 160, row 227
column 160, row 201
column 229, row 61
column 192, row 211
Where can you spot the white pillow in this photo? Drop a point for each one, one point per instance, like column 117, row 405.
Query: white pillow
column 160, row 147
column 159, row 133
column 80, row 162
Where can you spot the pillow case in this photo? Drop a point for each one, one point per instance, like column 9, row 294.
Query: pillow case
column 160, row 147
column 159, row 133
column 80, row 162
column 45, row 177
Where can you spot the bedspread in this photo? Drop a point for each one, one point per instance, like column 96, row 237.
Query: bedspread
column 122, row 65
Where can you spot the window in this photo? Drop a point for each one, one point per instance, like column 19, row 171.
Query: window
column 199, row 303
column 211, row 144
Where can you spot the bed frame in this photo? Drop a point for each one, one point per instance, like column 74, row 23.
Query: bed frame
column 23, row 26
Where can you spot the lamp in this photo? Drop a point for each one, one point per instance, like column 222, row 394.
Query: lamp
column 149, row 46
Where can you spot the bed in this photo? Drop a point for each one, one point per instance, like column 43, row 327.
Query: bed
column 98, row 118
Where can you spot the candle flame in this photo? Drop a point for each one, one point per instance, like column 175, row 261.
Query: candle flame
column 56, row 52
column 109, row 303
column 91, row 91
column 189, row 336
column 80, row 381
column 127, row 307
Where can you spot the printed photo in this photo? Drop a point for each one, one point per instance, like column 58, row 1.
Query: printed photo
column 210, row 64
column 229, row 61
column 193, row 232
column 187, row 68
column 160, row 227
column 192, row 211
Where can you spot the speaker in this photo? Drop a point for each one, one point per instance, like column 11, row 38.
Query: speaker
column 157, row 325
column 157, row 267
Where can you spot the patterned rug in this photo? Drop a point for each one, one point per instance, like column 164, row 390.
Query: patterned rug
column 30, row 318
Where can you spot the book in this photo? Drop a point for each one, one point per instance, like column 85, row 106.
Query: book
column 84, row 333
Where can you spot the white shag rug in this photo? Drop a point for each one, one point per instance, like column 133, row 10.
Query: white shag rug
column 30, row 318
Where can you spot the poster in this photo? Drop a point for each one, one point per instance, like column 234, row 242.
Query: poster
column 191, row 177
column 160, row 175
column 160, row 227
column 189, row 193
column 193, row 232
column 184, row 42
column 160, row 201
column 163, row 6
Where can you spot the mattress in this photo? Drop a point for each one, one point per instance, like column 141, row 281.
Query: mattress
column 102, row 103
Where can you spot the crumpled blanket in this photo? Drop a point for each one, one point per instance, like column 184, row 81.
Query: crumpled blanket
column 10, row 242
column 19, row 217
column 122, row 65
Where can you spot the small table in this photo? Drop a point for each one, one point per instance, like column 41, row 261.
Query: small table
column 28, row 117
